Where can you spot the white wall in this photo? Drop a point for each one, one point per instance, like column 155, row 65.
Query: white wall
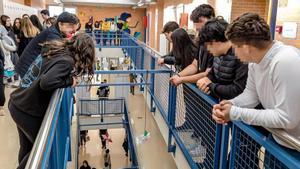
column 14, row 10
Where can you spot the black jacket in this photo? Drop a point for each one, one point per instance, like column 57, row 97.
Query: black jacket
column 33, row 49
column 53, row 74
column 228, row 76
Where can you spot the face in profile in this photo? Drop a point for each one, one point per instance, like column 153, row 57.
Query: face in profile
column 44, row 16
column 201, row 22
column 168, row 36
column 215, row 48
column 242, row 52
column 67, row 28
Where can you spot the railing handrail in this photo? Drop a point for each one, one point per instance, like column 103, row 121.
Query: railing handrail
column 38, row 151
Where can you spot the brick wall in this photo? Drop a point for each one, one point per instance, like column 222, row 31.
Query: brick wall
column 289, row 13
column 257, row 6
column 40, row 4
column 100, row 13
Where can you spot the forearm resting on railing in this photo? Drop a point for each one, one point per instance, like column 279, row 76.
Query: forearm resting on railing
column 192, row 69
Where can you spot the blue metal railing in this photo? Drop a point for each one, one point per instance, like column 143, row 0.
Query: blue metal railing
column 108, row 107
column 52, row 146
column 185, row 110
column 204, row 143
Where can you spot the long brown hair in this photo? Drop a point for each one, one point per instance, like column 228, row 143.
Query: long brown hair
column 28, row 29
column 81, row 48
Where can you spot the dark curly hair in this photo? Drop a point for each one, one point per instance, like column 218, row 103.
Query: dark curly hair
column 213, row 30
column 204, row 10
column 250, row 29
column 81, row 48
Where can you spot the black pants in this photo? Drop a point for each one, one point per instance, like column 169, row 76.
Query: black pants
column 2, row 87
column 28, row 128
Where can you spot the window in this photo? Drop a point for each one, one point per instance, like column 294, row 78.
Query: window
column 57, row 10
column 70, row 10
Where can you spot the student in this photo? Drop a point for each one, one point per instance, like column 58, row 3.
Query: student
column 228, row 76
column 60, row 63
column 183, row 54
column 17, row 29
column 7, row 46
column 103, row 132
column 85, row 165
column 66, row 24
column 28, row 32
column 89, row 26
column 83, row 135
column 45, row 15
column 105, row 31
column 107, row 158
column 273, row 81
column 119, row 30
column 36, row 22
column 168, row 29
column 125, row 145
column 201, row 64
column 113, row 30
column 103, row 91
column 6, row 22
column 50, row 22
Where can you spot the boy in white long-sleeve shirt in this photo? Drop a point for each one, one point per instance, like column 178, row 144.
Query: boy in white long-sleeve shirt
column 273, row 80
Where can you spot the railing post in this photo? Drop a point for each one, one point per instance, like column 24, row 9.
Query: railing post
column 171, row 115
column 152, row 82
column 224, row 147
column 233, row 147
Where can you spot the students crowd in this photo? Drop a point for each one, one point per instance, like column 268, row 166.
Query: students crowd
column 254, row 77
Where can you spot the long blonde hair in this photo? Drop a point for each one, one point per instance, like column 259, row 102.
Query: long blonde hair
column 28, row 29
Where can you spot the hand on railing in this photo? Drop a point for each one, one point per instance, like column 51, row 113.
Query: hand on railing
column 176, row 80
column 160, row 61
column 221, row 112
column 203, row 84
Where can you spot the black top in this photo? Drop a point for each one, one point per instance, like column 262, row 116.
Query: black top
column 88, row 27
column 103, row 91
column 23, row 43
column 229, row 76
column 33, row 49
column 205, row 59
column 120, row 26
column 54, row 73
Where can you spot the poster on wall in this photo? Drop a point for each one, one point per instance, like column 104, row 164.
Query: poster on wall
column 289, row 30
column 184, row 19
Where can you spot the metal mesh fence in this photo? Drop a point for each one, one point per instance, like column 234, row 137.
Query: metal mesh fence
column 195, row 126
column 248, row 153
column 161, row 90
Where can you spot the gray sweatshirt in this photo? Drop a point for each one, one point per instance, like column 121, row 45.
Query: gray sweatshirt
column 275, row 83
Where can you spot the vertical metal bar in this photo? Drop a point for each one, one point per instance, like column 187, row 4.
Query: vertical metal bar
column 233, row 147
column 152, row 82
column 224, row 147
column 273, row 17
column 171, row 115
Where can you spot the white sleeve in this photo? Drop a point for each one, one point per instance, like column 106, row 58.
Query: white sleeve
column 286, row 83
column 249, row 97
column 10, row 47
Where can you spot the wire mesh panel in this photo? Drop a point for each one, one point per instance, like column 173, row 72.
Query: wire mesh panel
column 147, row 60
column 161, row 90
column 102, row 106
column 114, row 106
column 195, row 126
column 248, row 153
